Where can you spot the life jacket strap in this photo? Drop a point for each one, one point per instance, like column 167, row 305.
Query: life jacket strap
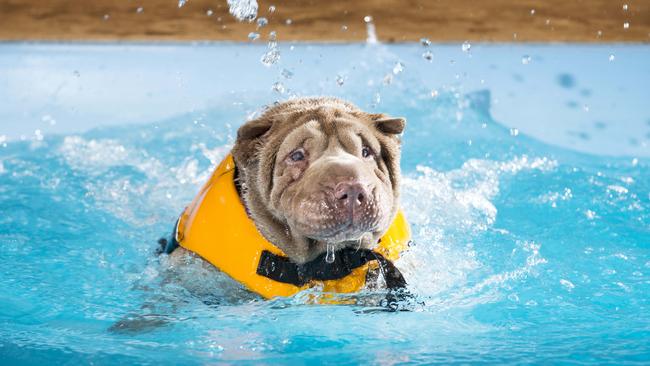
column 282, row 269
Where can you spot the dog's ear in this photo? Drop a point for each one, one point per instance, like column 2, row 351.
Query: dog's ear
column 389, row 125
column 248, row 136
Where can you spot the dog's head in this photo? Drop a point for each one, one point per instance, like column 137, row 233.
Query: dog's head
column 320, row 172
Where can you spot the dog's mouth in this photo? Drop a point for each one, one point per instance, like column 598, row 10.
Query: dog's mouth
column 338, row 227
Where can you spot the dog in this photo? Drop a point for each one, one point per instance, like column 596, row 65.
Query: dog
column 319, row 179
column 318, row 175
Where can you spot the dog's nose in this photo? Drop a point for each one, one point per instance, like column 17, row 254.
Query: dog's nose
column 352, row 194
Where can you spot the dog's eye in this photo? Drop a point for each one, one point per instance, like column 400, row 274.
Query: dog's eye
column 366, row 152
column 298, row 155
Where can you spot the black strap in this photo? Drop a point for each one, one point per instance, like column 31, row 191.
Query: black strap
column 282, row 269
column 168, row 246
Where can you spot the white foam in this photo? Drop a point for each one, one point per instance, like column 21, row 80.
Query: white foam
column 447, row 210
column 123, row 195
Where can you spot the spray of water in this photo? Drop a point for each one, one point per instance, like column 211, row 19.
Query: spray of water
column 243, row 10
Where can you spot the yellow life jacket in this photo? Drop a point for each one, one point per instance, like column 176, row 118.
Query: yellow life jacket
column 216, row 227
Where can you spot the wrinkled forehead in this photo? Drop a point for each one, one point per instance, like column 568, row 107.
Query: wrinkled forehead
column 348, row 133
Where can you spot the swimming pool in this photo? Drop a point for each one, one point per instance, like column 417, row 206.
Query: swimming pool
column 526, row 181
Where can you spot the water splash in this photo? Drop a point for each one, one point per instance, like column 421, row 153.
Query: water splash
column 398, row 68
column 243, row 10
column 340, row 80
column 272, row 55
column 278, row 87
column 370, row 30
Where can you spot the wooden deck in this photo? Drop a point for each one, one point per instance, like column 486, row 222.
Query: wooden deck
column 330, row 21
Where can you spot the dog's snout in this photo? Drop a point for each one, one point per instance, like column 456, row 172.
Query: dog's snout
column 352, row 194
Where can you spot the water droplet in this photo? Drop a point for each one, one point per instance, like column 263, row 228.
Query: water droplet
column 514, row 132
column 635, row 162
column 261, row 22
column 388, row 79
column 39, row 135
column 273, row 36
column 288, row 22
column 586, row 108
column 209, row 12
column 625, row 7
column 567, row 284
column 278, row 87
column 466, row 46
column 599, row 33
column 428, row 55
column 139, row 10
column 106, row 17
column 252, row 36
column 548, row 21
column 525, row 59
column 344, row 28
column 181, row 3
column 243, row 9
column 611, row 58
column 287, row 74
column 398, row 68
column 532, row 11
column 367, row 19
column 434, row 93
column 377, row 98
column 272, row 9
column 590, row 214
column 626, row 25
column 425, row 42
column 330, row 256
column 340, row 80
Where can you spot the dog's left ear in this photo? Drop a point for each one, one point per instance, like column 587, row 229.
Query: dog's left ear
column 389, row 125
column 248, row 136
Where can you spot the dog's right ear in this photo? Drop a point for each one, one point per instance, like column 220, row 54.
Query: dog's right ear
column 248, row 136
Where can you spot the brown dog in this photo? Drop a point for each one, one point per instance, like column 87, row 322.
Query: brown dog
column 318, row 172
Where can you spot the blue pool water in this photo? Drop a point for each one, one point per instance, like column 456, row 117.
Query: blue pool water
column 526, row 181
